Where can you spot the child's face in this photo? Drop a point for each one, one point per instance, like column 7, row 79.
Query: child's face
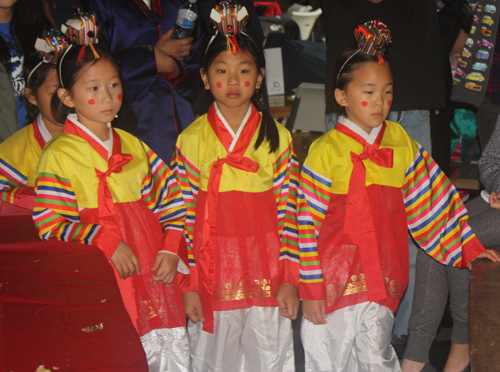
column 96, row 95
column 368, row 97
column 232, row 79
column 44, row 94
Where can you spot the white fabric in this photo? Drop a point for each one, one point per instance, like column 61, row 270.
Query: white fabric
column 228, row 127
column 43, row 129
column 355, row 339
column 246, row 340
column 148, row 3
column 167, row 349
column 370, row 138
column 107, row 145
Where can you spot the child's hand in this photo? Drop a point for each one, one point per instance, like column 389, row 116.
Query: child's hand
column 314, row 311
column 490, row 254
column 165, row 267
column 125, row 261
column 495, row 201
column 192, row 304
column 288, row 301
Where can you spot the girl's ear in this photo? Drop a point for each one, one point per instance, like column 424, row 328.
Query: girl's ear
column 260, row 78
column 65, row 97
column 204, row 77
column 31, row 96
column 341, row 97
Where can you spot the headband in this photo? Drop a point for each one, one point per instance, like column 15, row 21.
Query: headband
column 372, row 38
column 51, row 47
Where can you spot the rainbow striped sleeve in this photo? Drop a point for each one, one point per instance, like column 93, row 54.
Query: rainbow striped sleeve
column 437, row 218
column 10, row 180
column 56, row 213
column 188, row 177
column 285, row 184
column 313, row 199
column 162, row 194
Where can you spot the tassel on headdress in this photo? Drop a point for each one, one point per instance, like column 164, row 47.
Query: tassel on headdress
column 229, row 18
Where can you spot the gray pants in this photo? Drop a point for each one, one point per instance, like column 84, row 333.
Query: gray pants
column 484, row 221
column 433, row 282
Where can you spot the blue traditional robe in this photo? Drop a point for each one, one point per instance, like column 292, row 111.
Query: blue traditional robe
column 160, row 102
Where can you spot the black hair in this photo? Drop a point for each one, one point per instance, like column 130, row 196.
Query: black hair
column 248, row 43
column 28, row 23
column 70, row 67
column 346, row 64
column 36, row 79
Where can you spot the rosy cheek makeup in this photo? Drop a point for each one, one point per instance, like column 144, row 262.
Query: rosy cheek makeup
column 91, row 102
column 389, row 102
column 120, row 97
column 247, row 84
column 219, row 84
column 364, row 103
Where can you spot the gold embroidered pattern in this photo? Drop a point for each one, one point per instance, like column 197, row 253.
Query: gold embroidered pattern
column 93, row 328
column 394, row 289
column 357, row 284
column 245, row 289
column 148, row 309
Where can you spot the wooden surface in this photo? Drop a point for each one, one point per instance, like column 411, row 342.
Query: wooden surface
column 280, row 106
column 484, row 315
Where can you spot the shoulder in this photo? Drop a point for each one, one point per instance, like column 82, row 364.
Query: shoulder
column 395, row 132
column 195, row 128
column 126, row 136
column 324, row 145
column 17, row 149
column 18, row 138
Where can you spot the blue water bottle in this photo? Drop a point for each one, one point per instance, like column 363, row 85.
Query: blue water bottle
column 186, row 18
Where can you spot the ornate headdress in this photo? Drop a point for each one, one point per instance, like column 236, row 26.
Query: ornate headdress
column 51, row 47
column 229, row 18
column 372, row 38
column 80, row 30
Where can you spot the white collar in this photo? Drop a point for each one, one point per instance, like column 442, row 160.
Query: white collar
column 43, row 129
column 107, row 145
column 229, row 129
column 370, row 138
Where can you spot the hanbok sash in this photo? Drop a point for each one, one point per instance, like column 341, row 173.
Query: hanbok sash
column 360, row 231
column 233, row 159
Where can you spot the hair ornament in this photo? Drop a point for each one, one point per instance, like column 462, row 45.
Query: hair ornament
column 82, row 30
column 373, row 38
column 229, row 18
column 51, row 48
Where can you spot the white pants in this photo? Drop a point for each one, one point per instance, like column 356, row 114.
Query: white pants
column 247, row 340
column 167, row 349
column 355, row 338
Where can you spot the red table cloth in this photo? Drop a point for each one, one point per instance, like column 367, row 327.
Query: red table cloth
column 60, row 306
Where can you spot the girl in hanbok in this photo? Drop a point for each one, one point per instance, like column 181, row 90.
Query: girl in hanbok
column 238, row 174
column 362, row 186
column 19, row 154
column 101, row 186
